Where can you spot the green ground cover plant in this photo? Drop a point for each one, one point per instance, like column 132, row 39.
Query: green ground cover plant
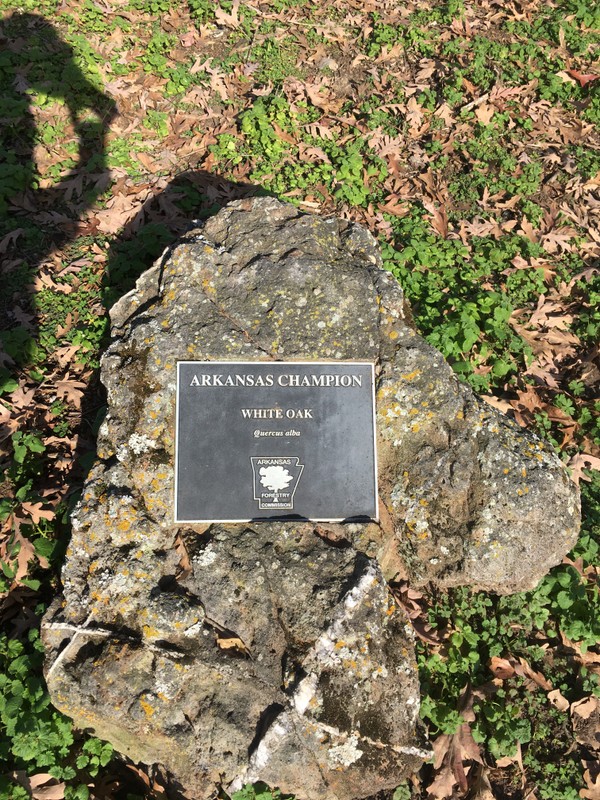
column 465, row 137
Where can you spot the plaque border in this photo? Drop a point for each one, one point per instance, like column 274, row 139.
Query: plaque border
column 375, row 518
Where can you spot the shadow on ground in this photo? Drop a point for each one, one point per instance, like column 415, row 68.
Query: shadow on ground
column 41, row 226
column 40, row 216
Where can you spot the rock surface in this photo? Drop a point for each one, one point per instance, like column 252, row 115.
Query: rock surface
column 273, row 652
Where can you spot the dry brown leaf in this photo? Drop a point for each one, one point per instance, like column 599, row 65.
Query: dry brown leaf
column 151, row 783
column 502, row 668
column 462, row 27
column 71, row 390
column 586, row 274
column 444, row 112
column 318, row 130
column 199, row 65
column 443, row 784
column 588, row 572
column 283, row 135
column 395, row 206
column 549, row 314
column 36, row 512
column 481, row 787
column 408, row 597
column 263, row 91
column 26, row 551
column 44, row 281
column 36, row 787
column 414, row 117
column 218, row 83
column 70, row 320
column 532, row 263
column 189, row 38
column 441, row 746
column 185, row 566
column 558, row 239
column 558, row 700
column 485, row 112
column 9, row 238
column 232, row 643
column 591, row 777
column 469, row 749
column 21, row 397
column 500, row 93
column 426, row 632
column 452, row 751
column 534, row 677
column 64, row 355
column 505, row 761
column 497, row 402
column 120, row 210
column 509, row 761
column 589, row 658
column 581, row 78
column 528, row 230
column 568, row 425
column 505, row 668
column 322, row 97
column 149, row 162
column 463, row 748
column 579, row 462
column 53, row 792
column 229, row 20
column 389, row 53
column 586, row 707
column 427, row 67
column 439, row 218
column 9, row 424
column 40, row 779
column 312, row 153
column 385, row 145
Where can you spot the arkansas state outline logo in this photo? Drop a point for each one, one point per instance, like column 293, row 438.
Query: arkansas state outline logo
column 275, row 481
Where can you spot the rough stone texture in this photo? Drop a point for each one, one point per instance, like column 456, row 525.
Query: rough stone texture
column 274, row 651
column 278, row 657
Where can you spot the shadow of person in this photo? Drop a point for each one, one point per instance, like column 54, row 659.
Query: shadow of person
column 39, row 208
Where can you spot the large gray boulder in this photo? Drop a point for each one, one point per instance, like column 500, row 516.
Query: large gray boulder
column 273, row 651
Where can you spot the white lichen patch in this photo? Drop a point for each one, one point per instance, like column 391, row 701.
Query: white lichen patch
column 118, row 504
column 305, row 693
column 194, row 630
column 207, row 557
column 140, row 443
column 343, row 755
column 380, row 672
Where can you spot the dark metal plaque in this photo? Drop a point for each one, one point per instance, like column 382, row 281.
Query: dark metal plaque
column 259, row 440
